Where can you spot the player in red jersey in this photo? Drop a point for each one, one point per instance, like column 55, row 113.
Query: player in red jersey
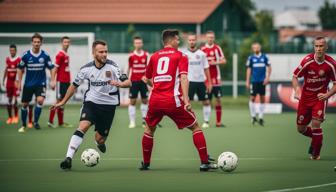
column 63, row 82
column 167, row 72
column 215, row 58
column 137, row 62
column 318, row 70
column 9, row 82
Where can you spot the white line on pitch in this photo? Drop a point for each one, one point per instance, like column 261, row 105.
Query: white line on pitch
column 303, row 188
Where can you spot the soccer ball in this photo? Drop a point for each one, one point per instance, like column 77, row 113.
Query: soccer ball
column 90, row 157
column 227, row 161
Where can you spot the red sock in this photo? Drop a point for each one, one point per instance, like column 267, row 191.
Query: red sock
column 9, row 110
column 147, row 146
column 317, row 141
column 200, row 145
column 30, row 114
column 218, row 114
column 60, row 114
column 308, row 132
column 52, row 115
column 16, row 110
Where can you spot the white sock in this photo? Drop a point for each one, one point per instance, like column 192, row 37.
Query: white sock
column 75, row 142
column 252, row 108
column 144, row 109
column 131, row 113
column 261, row 110
column 206, row 112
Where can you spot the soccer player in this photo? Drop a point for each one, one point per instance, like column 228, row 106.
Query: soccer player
column 35, row 61
column 215, row 57
column 62, row 82
column 318, row 69
column 198, row 70
column 258, row 72
column 137, row 62
column 100, row 99
column 9, row 78
column 167, row 72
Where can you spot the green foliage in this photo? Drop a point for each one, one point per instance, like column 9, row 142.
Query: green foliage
column 226, row 70
column 327, row 15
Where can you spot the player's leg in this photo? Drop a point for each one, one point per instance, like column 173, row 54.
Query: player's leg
column 9, row 108
column 261, row 92
column 38, row 111
column 60, row 111
column 318, row 115
column 15, row 106
column 133, row 94
column 27, row 95
column 252, row 103
column 144, row 102
column 218, row 106
column 30, row 115
column 203, row 97
column 52, row 112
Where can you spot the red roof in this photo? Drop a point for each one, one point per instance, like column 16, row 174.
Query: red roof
column 107, row 11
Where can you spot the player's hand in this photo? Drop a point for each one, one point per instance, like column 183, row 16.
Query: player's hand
column 57, row 105
column 323, row 96
column 209, row 88
column 52, row 85
column 297, row 95
column 18, row 85
column 266, row 81
column 115, row 83
column 187, row 106
column 247, row 85
column 144, row 79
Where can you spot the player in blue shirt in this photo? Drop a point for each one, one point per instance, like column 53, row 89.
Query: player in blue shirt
column 257, row 77
column 34, row 62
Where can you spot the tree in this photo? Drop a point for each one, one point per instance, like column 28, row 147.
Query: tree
column 327, row 15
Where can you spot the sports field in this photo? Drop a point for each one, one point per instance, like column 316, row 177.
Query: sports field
column 273, row 157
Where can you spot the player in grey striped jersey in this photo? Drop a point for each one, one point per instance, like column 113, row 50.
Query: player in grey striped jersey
column 100, row 99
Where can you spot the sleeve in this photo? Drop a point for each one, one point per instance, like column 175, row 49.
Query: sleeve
column 48, row 62
column 301, row 69
column 58, row 60
column 205, row 61
column 81, row 75
column 333, row 73
column 22, row 63
column 183, row 65
column 248, row 62
column 219, row 53
column 149, row 68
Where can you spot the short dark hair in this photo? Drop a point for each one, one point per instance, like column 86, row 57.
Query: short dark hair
column 98, row 42
column 64, row 37
column 319, row 38
column 210, row 32
column 37, row 35
column 169, row 34
column 137, row 38
column 12, row 46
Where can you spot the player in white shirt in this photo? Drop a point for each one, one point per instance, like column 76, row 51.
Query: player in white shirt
column 198, row 72
column 100, row 99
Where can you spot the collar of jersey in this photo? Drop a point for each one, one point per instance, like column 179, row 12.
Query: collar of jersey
column 318, row 61
column 35, row 55
column 94, row 63
column 209, row 46
column 13, row 58
column 141, row 54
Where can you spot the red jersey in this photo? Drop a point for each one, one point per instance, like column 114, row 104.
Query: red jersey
column 164, row 68
column 62, row 64
column 214, row 53
column 316, row 76
column 137, row 64
column 11, row 67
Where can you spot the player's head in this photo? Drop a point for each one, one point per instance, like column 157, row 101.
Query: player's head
column 210, row 37
column 65, row 42
column 192, row 40
column 137, row 43
column 37, row 41
column 170, row 37
column 320, row 46
column 99, row 50
column 256, row 48
column 12, row 50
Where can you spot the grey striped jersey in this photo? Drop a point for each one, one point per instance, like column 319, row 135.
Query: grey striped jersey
column 99, row 90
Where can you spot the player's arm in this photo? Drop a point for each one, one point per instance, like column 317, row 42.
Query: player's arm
column 331, row 92
column 268, row 74
column 185, row 88
column 19, row 78
column 123, row 83
column 70, row 92
column 53, row 78
column 221, row 60
column 296, row 87
column 209, row 83
column 248, row 73
column 4, row 77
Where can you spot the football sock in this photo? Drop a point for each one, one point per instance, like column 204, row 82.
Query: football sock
column 9, row 110
column 30, row 114
column 131, row 113
column 200, row 144
column 16, row 110
column 144, row 109
column 24, row 116
column 218, row 114
column 252, row 108
column 206, row 112
column 317, row 141
column 261, row 110
column 60, row 115
column 37, row 112
column 308, row 132
column 147, row 146
column 52, row 115
column 75, row 142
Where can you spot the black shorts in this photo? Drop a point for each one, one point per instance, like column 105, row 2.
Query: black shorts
column 199, row 89
column 138, row 86
column 257, row 88
column 28, row 92
column 99, row 115
column 216, row 91
column 61, row 89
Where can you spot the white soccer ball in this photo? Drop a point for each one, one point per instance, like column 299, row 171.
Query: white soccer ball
column 90, row 157
column 227, row 161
